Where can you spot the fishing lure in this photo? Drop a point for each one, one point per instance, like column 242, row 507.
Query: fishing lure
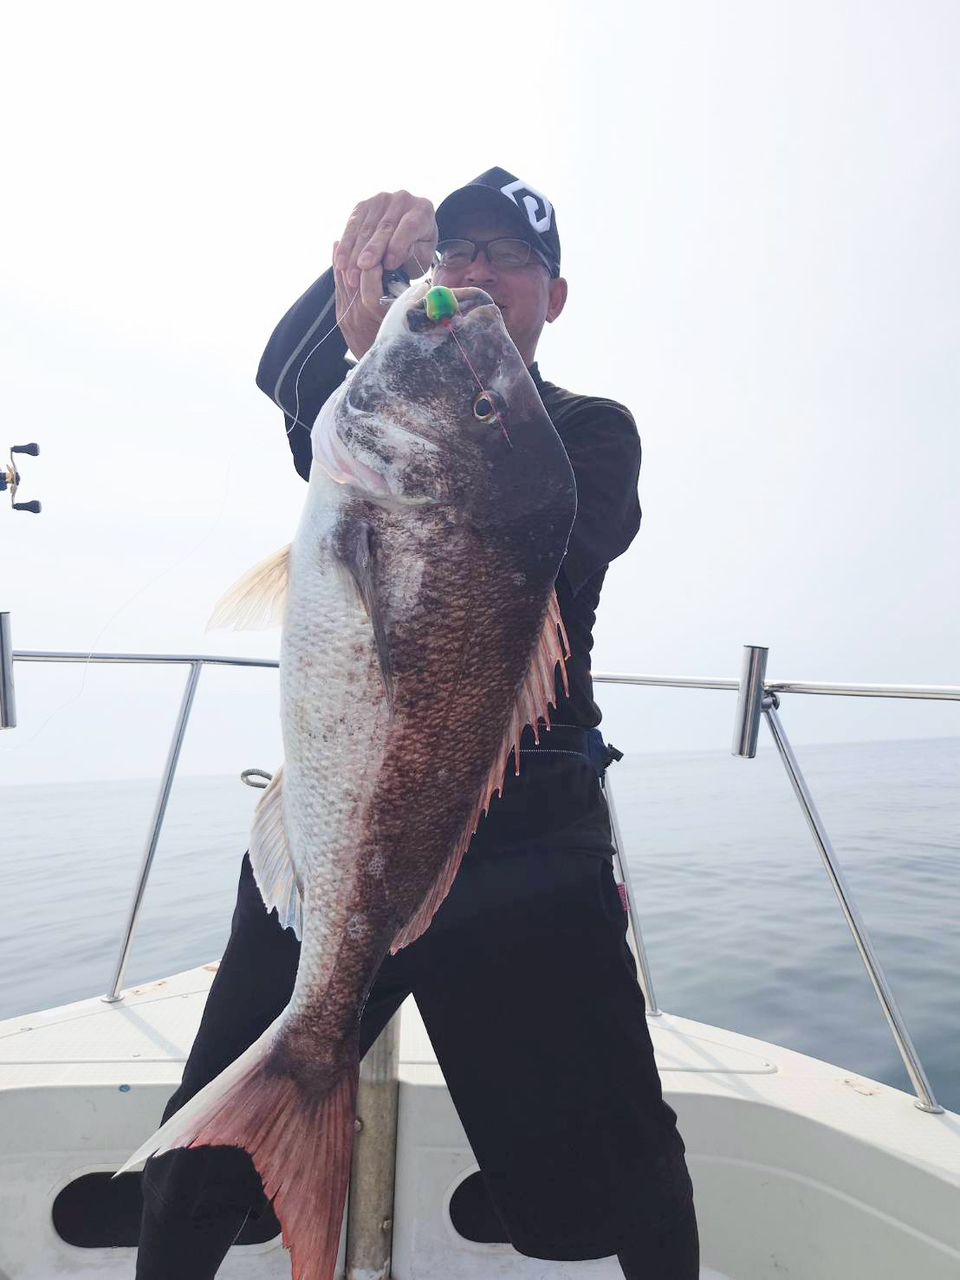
column 441, row 303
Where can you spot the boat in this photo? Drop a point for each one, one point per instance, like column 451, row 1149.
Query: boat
column 801, row 1168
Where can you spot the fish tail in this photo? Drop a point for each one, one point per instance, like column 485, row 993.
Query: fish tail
column 301, row 1144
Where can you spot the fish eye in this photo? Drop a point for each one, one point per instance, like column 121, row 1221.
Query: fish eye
column 483, row 409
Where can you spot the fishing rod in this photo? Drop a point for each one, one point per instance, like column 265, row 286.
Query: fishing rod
column 10, row 478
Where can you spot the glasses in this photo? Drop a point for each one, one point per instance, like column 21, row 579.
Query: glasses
column 505, row 253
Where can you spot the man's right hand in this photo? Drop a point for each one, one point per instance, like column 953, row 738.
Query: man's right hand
column 383, row 233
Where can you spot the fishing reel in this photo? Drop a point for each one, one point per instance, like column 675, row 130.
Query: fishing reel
column 10, row 478
column 394, row 283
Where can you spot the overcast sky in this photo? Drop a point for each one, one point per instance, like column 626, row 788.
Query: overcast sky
column 757, row 203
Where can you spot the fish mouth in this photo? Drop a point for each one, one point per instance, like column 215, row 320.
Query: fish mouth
column 469, row 299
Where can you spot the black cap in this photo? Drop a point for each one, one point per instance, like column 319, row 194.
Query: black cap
column 504, row 193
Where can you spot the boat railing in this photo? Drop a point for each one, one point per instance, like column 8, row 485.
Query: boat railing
column 757, row 698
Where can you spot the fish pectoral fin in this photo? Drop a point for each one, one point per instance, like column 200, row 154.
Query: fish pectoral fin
column 258, row 599
column 356, row 553
column 535, row 697
column 273, row 866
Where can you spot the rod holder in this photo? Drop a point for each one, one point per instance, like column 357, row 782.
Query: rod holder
column 746, row 729
column 8, row 706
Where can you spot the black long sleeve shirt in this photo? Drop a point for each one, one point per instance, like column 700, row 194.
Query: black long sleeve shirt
column 305, row 360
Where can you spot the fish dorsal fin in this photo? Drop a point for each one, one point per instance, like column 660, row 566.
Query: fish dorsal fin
column 272, row 862
column 258, row 599
column 534, row 699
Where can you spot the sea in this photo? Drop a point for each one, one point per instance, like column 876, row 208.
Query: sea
column 741, row 924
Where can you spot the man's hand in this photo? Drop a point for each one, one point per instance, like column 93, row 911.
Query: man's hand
column 383, row 233
column 388, row 231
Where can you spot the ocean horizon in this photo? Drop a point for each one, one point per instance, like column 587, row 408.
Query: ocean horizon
column 741, row 925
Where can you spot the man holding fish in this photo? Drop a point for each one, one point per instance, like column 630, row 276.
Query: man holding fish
column 438, row 603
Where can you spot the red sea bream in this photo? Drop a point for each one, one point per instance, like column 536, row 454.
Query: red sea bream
column 421, row 633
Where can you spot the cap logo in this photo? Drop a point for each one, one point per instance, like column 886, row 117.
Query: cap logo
column 538, row 209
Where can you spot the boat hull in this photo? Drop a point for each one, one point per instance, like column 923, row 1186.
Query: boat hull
column 799, row 1167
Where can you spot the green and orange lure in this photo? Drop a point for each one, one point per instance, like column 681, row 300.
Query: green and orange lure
column 440, row 303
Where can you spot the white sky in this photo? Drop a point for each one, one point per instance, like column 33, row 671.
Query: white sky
column 758, row 206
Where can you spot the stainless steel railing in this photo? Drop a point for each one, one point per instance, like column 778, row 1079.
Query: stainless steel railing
column 757, row 697
column 195, row 663
column 159, row 811
column 8, row 708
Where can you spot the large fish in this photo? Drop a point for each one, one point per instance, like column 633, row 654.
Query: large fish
column 421, row 633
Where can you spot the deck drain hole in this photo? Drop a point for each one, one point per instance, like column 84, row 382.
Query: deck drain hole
column 472, row 1213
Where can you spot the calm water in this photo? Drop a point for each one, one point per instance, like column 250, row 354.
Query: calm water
column 741, row 925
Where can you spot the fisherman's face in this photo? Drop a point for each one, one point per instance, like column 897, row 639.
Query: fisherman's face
column 527, row 296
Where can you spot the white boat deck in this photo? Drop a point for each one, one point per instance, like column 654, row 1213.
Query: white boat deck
column 152, row 1028
column 783, row 1142
column 150, row 1031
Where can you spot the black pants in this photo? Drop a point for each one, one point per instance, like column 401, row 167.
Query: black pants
column 529, row 994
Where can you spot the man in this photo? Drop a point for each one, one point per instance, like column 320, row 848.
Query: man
column 524, row 979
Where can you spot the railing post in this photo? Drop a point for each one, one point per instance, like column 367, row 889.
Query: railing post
column 160, row 808
column 8, row 707
column 372, row 1175
column 753, row 701
column 925, row 1101
column 636, row 936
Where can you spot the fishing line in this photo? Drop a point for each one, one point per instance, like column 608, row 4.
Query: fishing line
column 483, row 389
column 476, row 376
column 295, row 419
